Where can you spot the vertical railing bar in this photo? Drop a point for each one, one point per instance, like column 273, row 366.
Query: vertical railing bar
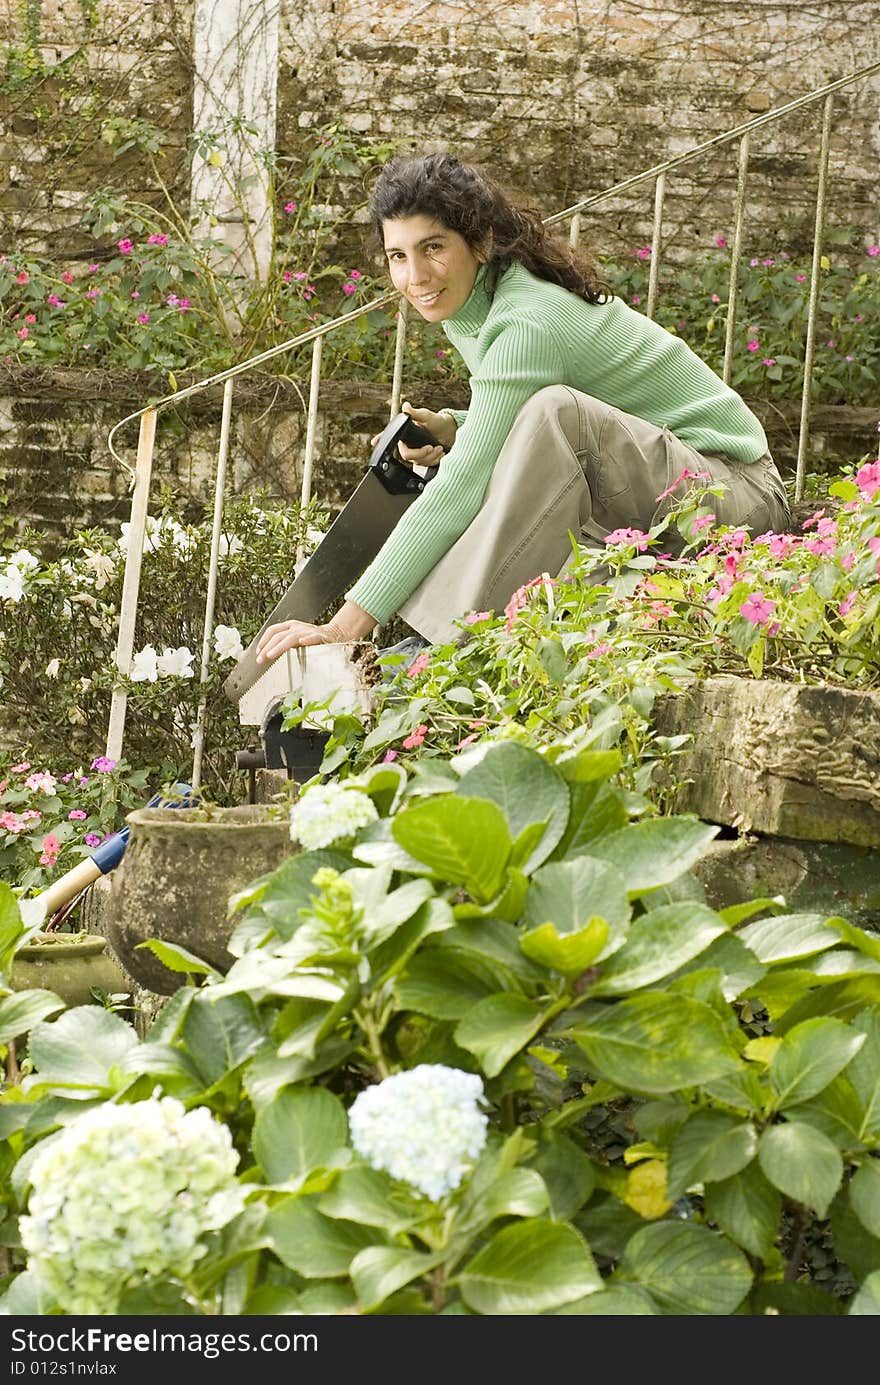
column 574, row 233
column 399, row 348
column 656, row 237
column 131, row 580
column 305, row 491
column 211, row 594
column 735, row 254
column 814, row 297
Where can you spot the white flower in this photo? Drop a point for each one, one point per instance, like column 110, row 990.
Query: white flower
column 144, row 667
column 175, row 662
column 41, row 782
column 152, row 532
column 24, row 560
column 52, row 668
column 328, row 813
column 228, row 546
column 125, row 1195
column 102, row 565
column 11, row 583
column 227, row 642
column 424, row 1126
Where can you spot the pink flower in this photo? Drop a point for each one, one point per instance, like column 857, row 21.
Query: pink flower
column 847, row 561
column 874, row 250
column 290, row 208
column 172, row 300
column 23, row 277
column 800, row 278
column 757, row 608
column 23, row 333
column 685, row 475
column 22, row 768
column 300, row 274
column 93, row 293
column 753, row 345
column 658, row 609
column 143, row 318
column 466, row 741
column 598, row 650
column 30, row 317
column 715, row 298
column 768, row 261
column 389, row 756
column 847, row 604
column 419, row 664
column 54, row 301
column 11, row 822
column 92, row 839
column 519, row 599
column 31, row 815
column 125, row 246
column 67, row 277
column 134, row 294
column 644, row 253
column 287, row 276
column 103, row 764
column 93, row 268
column 753, row 263
column 769, row 361
column 813, row 519
column 720, row 242
column 702, row 522
column 868, row 479
column 416, row 738
column 77, row 815
column 51, row 847
column 157, row 238
column 183, row 305
column 476, row 616
column 780, row 545
column 355, row 274
column 41, row 781
column 349, row 288
column 635, row 537
column 636, row 299
column 849, row 358
column 820, row 547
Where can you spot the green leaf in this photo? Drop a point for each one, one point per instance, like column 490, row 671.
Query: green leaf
column 515, row 1193
column 852, row 1242
column 615, row 1300
column 657, row 944
column 864, row 1194
column 687, row 1269
column 465, row 841
column 656, row 851
column 444, row 985
column 567, row 1173
column 569, row 894
column 597, row 809
column 866, row 1302
column 809, row 1057
column 584, row 766
column 864, row 1071
column 364, row 1195
column 289, row 888
column 802, row 1163
column 379, row 1271
column 788, row 937
column 570, row 954
column 299, row 1131
column 497, row 1028
column 220, row 1037
column 739, row 966
column 526, row 788
column 531, row 1267
column 656, row 1043
column 709, row 1148
column 80, row 1047
column 316, row 1247
column 747, row 1208
column 22, row 1010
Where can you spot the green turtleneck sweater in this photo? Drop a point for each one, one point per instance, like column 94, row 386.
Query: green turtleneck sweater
column 528, row 335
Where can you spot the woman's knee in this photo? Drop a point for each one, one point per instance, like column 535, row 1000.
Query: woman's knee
column 549, row 400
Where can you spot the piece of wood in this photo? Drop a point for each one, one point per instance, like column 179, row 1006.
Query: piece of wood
column 782, row 759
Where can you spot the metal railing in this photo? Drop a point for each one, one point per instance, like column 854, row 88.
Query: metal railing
column 142, row 471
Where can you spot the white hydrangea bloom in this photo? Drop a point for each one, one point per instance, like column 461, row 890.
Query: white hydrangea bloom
column 145, row 665
column 424, row 1127
column 227, row 642
column 126, row 1195
column 327, row 813
column 175, row 662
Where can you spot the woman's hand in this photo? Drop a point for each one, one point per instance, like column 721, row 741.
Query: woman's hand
column 351, row 622
column 440, row 426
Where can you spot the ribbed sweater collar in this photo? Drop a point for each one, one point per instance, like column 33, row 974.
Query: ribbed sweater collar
column 472, row 314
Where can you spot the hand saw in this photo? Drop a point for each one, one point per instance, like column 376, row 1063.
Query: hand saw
column 353, row 539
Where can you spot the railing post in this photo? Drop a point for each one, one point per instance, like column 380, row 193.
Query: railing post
column 131, row 581
column 804, row 431
column 305, row 490
column 735, row 253
column 656, row 238
column 210, row 597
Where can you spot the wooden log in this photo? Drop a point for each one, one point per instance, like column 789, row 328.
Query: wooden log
column 782, row 759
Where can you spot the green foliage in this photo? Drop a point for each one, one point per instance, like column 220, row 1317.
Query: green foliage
column 404, row 947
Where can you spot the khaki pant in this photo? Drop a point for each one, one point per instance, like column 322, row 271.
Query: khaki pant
column 571, row 464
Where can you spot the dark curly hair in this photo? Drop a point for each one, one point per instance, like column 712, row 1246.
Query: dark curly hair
column 482, row 212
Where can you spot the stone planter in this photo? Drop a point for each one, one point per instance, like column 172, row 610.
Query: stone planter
column 69, row 964
column 174, row 882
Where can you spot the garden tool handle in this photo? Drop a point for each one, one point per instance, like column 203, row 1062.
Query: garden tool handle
column 68, row 886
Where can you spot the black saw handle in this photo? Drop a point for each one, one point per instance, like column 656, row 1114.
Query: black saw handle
column 386, row 461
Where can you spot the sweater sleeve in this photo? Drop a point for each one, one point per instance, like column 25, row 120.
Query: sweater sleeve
column 520, row 360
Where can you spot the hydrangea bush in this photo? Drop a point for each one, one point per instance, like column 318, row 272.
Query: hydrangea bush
column 127, row 1195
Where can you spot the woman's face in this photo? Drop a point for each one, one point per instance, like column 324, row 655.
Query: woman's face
column 433, row 267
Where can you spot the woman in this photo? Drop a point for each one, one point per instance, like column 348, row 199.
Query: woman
column 584, row 414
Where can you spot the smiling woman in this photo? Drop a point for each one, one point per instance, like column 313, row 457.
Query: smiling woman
column 585, row 416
